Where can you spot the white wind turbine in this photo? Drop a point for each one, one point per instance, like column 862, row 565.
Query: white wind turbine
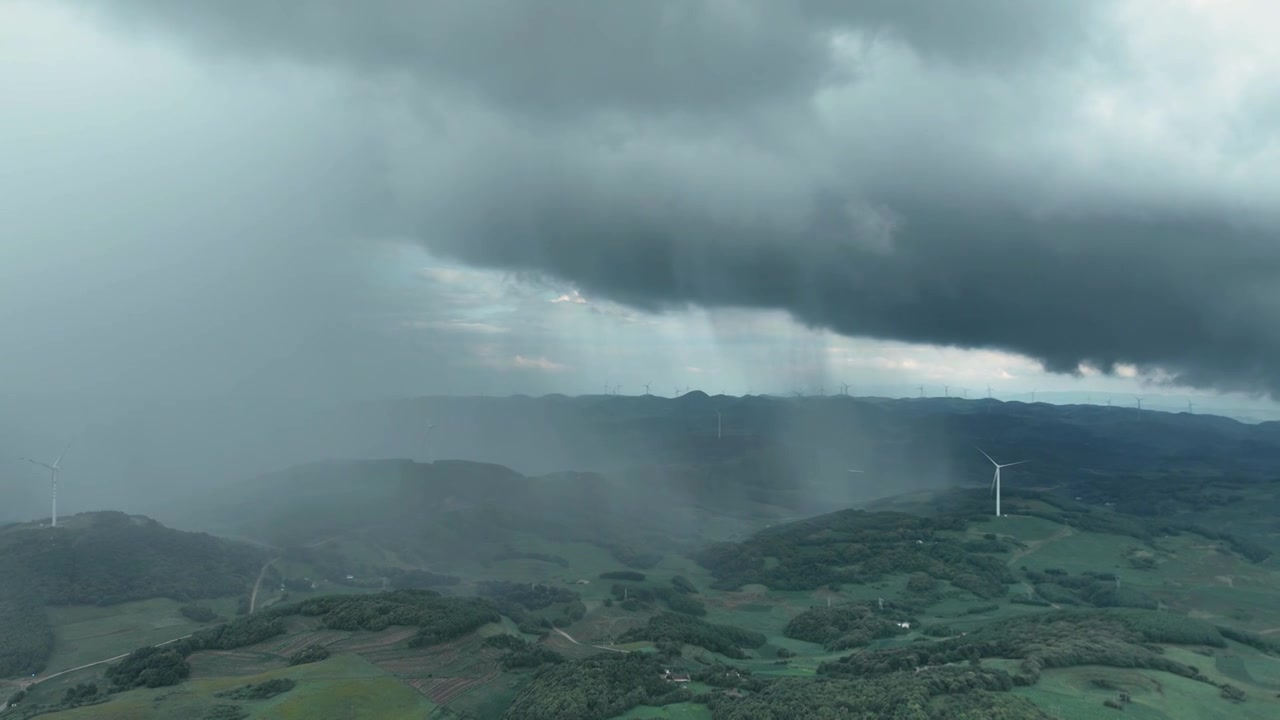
column 995, row 482
column 54, row 470
column 1139, row 398
column 426, row 436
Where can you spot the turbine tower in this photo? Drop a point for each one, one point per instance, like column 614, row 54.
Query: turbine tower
column 1191, row 408
column 427, row 438
column 995, row 482
column 988, row 392
column 646, row 388
column 719, row 425
column 946, row 391
column 1139, row 399
column 54, row 470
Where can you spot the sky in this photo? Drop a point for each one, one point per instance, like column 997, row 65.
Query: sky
column 326, row 199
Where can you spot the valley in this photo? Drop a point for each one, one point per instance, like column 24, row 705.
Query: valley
column 582, row 591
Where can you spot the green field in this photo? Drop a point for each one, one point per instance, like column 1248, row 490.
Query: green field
column 339, row 688
column 89, row 633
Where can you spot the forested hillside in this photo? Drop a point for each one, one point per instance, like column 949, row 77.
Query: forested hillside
column 105, row 558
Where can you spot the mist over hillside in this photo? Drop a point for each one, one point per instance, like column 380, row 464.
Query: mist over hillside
column 150, row 458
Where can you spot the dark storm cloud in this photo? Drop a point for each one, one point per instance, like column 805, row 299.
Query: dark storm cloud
column 932, row 172
column 582, row 55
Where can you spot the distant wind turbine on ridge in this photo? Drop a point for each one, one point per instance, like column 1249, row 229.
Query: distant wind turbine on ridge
column 54, row 470
column 719, row 425
column 1139, row 399
column 995, row 482
column 427, row 438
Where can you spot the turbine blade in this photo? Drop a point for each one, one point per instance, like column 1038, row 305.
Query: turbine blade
column 856, row 471
column 984, row 454
column 1017, row 463
column 63, row 453
column 37, row 462
column 993, row 481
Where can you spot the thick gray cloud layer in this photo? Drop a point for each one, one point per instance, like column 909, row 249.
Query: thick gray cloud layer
column 1080, row 182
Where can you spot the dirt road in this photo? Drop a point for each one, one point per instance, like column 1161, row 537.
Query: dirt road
column 25, row 683
column 1035, row 545
column 569, row 637
column 253, row 599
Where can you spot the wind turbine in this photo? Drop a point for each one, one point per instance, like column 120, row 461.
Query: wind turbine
column 988, row 392
column 946, row 391
column 54, row 470
column 995, row 482
column 965, row 393
column 1191, row 408
column 427, row 437
column 719, row 425
column 1033, row 395
column 646, row 388
column 921, row 391
column 1139, row 399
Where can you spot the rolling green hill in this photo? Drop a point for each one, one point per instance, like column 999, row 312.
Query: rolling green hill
column 105, row 558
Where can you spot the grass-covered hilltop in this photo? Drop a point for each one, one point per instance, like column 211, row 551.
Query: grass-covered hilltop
column 672, row 587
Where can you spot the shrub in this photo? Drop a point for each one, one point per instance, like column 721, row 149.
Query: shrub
column 198, row 613
column 309, row 654
column 631, row 575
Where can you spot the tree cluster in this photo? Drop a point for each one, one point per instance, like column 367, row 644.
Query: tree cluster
column 1096, row 589
column 854, row 546
column 599, row 687
column 309, row 654
column 260, row 691
column 26, row 637
column 675, row 627
column 438, row 618
column 841, row 627
column 523, row 654
column 940, row 694
column 150, row 667
column 1118, row 638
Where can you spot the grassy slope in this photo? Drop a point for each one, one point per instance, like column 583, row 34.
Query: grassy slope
column 88, row 633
